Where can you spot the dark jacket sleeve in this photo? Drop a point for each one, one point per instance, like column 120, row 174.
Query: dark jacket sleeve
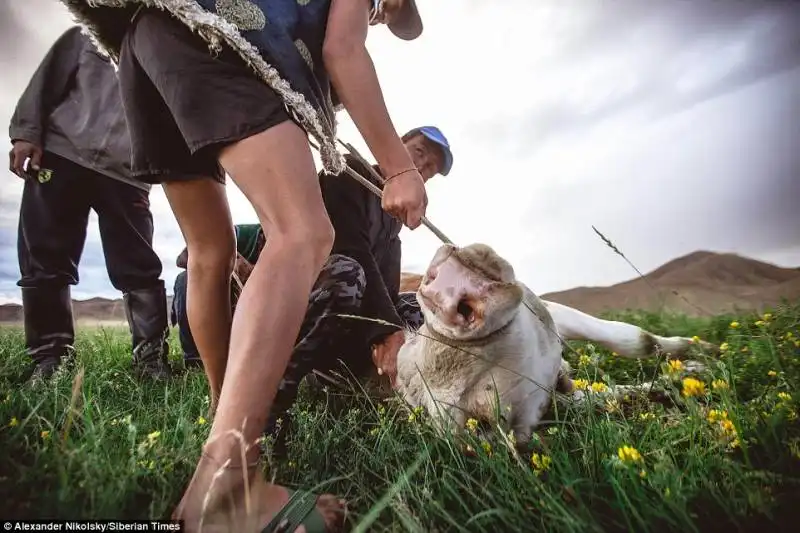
column 346, row 203
column 391, row 268
column 47, row 87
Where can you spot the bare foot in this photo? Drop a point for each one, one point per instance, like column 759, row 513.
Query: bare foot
column 216, row 501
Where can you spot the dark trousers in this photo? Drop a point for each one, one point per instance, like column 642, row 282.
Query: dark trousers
column 53, row 221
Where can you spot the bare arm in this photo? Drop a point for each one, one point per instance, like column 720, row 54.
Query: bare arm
column 353, row 76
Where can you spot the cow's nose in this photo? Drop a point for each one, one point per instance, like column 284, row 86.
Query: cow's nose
column 455, row 308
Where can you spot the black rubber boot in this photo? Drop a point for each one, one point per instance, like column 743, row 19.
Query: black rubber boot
column 146, row 310
column 49, row 329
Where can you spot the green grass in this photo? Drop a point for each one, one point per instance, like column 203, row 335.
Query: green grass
column 130, row 448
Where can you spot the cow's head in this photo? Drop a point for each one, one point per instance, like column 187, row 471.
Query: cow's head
column 468, row 293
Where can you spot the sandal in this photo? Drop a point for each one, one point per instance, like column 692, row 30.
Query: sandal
column 300, row 510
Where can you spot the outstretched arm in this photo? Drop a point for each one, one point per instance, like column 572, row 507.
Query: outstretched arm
column 356, row 83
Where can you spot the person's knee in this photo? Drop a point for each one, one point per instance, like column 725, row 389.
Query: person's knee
column 311, row 238
column 212, row 259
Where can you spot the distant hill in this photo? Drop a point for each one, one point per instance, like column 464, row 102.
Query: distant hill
column 695, row 284
column 91, row 310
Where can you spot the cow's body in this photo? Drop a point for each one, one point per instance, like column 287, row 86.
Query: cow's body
column 489, row 346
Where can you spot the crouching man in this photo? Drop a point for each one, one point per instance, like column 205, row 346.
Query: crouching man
column 71, row 146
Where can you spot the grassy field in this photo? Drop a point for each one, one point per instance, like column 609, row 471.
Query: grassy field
column 723, row 455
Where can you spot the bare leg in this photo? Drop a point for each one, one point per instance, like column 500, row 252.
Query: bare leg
column 275, row 171
column 201, row 208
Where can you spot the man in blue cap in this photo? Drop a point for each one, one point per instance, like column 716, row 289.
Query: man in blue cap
column 366, row 233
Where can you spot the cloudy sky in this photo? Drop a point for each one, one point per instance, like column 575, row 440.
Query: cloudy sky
column 670, row 125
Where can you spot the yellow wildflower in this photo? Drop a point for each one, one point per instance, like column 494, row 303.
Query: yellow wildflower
column 727, row 427
column 201, row 421
column 540, row 462
column 674, row 366
column 153, row 436
column 647, row 416
column 693, row 387
column 373, row 431
column 45, row 434
column 720, row 384
column 599, row 387
column 629, row 454
column 696, row 339
column 724, row 346
column 766, row 317
column 716, row 416
column 642, row 474
column 416, row 412
column 584, row 360
column 724, row 426
column 13, row 422
column 487, row 448
column 772, row 373
column 759, row 323
column 472, row 425
column 785, row 396
column 580, row 383
column 734, row 324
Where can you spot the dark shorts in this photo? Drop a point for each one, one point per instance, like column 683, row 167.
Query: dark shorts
column 183, row 103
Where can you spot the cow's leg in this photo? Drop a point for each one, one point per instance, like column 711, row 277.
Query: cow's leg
column 625, row 339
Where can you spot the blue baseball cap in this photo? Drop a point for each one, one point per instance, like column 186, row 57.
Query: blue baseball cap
column 435, row 135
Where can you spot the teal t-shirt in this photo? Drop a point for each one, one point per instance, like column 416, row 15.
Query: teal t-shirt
column 247, row 237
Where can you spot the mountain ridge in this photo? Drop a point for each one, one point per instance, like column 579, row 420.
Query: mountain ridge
column 698, row 283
